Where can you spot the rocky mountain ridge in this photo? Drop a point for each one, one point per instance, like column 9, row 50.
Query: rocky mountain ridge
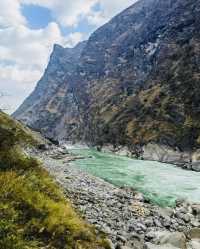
column 134, row 82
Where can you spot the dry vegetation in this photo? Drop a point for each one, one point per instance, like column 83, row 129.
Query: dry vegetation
column 33, row 210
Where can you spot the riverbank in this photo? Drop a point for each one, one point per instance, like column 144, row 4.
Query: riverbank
column 123, row 214
column 34, row 213
column 158, row 153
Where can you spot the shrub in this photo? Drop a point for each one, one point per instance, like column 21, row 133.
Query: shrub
column 33, row 211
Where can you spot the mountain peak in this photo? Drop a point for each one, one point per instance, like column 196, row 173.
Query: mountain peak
column 57, row 47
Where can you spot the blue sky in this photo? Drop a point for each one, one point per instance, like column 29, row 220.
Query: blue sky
column 39, row 17
column 30, row 28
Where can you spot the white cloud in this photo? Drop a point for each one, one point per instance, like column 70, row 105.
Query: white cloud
column 108, row 9
column 10, row 14
column 73, row 38
column 70, row 13
column 16, row 83
column 28, row 47
column 67, row 13
column 24, row 52
column 23, row 55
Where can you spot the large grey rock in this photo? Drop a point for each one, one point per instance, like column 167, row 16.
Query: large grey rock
column 175, row 239
column 193, row 244
column 164, row 153
column 196, row 166
column 194, row 233
column 196, row 209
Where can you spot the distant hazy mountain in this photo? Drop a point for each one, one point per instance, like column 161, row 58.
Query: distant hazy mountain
column 136, row 80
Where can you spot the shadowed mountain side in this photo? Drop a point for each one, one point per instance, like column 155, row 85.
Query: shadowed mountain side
column 134, row 82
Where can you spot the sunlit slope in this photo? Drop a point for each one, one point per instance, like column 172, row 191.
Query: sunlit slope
column 33, row 210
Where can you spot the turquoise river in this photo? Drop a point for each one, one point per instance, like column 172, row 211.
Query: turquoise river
column 161, row 183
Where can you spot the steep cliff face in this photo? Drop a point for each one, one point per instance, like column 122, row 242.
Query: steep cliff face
column 52, row 102
column 146, row 86
column 136, row 82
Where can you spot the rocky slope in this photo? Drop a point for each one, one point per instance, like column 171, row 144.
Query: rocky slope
column 52, row 102
column 134, row 82
column 33, row 210
column 129, row 220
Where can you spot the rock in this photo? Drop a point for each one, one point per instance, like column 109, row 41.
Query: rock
column 125, row 247
column 121, row 238
column 193, row 244
column 186, row 218
column 179, row 215
column 183, row 209
column 137, row 244
column 150, row 235
column 139, row 197
column 106, row 229
column 43, row 147
column 157, row 222
column 194, row 233
column 167, row 223
column 163, row 153
column 149, row 222
column 196, row 209
column 180, row 202
column 142, row 226
column 175, row 239
column 195, row 223
column 153, row 246
column 124, row 151
column 165, row 212
column 135, row 237
column 110, row 244
column 196, row 166
column 118, row 246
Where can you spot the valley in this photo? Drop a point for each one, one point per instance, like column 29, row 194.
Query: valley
column 134, row 82
column 105, row 151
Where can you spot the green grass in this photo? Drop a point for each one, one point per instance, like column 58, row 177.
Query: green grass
column 33, row 210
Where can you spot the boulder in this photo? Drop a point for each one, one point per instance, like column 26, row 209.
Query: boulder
column 196, row 166
column 176, row 239
column 194, row 233
column 193, row 244
column 110, row 244
column 164, row 153
column 196, row 209
column 43, row 147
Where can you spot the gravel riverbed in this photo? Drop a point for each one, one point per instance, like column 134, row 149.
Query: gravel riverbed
column 123, row 214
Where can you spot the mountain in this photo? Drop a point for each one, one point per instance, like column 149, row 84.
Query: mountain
column 52, row 101
column 134, row 82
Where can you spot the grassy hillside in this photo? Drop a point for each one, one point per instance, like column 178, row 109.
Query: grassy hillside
column 33, row 210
